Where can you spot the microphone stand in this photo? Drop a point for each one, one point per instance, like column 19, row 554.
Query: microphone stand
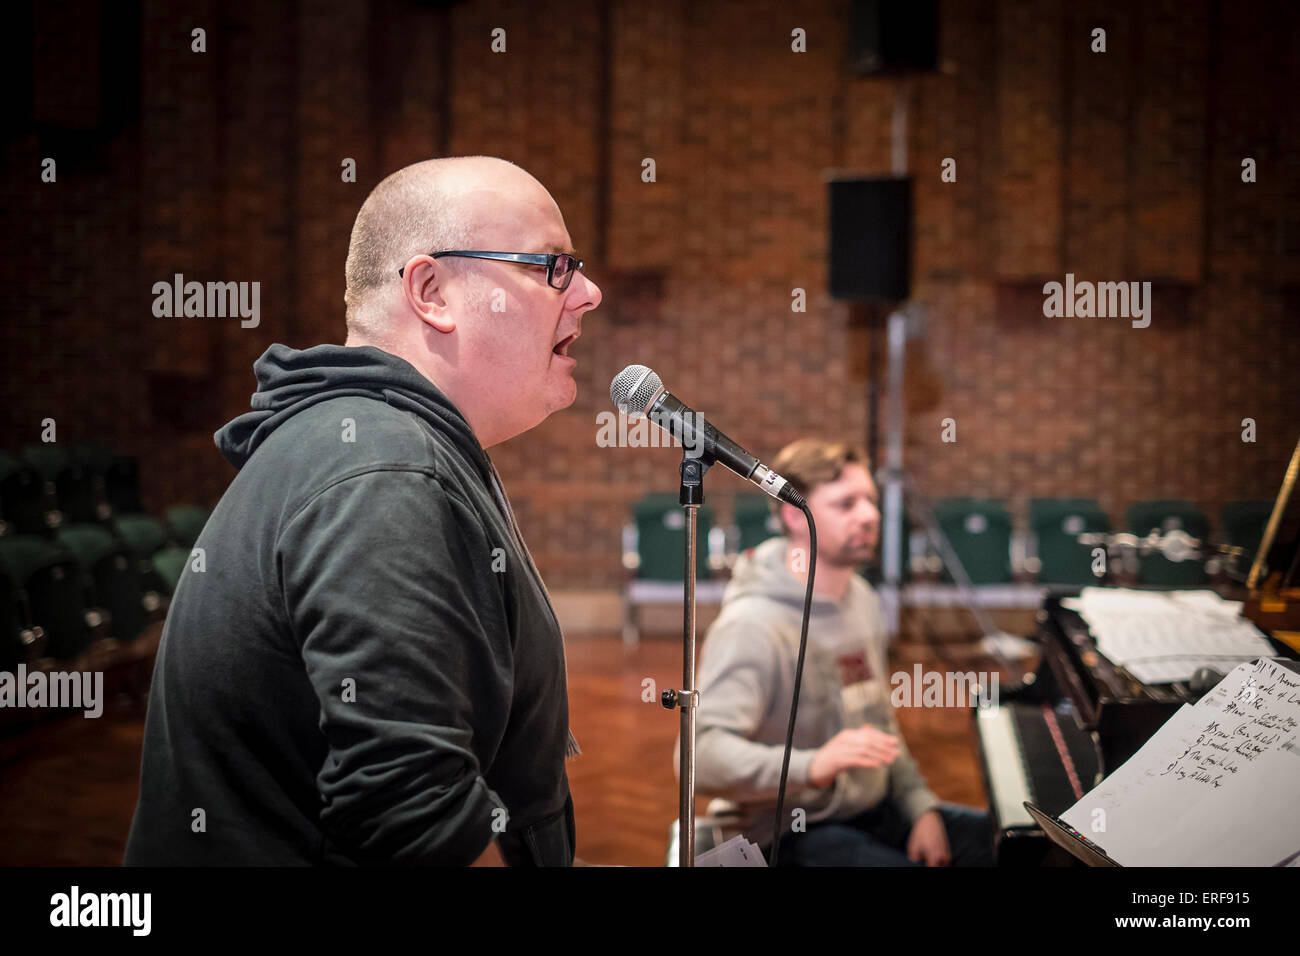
column 687, row 698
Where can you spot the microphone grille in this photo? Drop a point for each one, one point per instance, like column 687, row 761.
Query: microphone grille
column 635, row 388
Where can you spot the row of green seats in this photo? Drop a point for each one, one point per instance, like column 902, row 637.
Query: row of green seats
column 980, row 533
column 57, row 589
column 979, row 530
column 45, row 485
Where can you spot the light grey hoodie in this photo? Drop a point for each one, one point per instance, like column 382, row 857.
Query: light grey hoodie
column 746, row 681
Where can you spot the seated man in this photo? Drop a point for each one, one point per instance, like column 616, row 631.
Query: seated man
column 854, row 795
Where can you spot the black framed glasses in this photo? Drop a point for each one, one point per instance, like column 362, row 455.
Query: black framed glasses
column 560, row 267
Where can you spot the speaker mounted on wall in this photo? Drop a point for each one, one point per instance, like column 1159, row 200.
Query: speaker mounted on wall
column 893, row 36
column 871, row 239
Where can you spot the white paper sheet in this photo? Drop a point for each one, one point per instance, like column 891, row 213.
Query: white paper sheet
column 737, row 851
column 1217, row 785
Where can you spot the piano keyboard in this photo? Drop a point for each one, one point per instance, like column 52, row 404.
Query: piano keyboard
column 1007, row 781
column 1032, row 752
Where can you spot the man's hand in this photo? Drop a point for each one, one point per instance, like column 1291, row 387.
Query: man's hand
column 928, row 842
column 860, row 747
column 491, row 856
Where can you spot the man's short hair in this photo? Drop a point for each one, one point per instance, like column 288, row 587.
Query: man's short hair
column 810, row 462
column 412, row 211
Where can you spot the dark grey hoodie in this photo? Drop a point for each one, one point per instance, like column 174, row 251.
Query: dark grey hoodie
column 746, row 683
column 361, row 663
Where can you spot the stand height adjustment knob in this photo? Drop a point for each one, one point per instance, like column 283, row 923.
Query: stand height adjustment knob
column 672, row 699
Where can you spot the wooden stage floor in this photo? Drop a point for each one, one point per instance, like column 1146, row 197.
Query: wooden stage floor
column 68, row 788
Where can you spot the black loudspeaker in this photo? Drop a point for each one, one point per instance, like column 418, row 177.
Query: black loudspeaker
column 871, row 239
column 893, row 36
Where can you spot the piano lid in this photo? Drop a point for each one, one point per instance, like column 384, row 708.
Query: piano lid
column 1274, row 592
column 1277, row 571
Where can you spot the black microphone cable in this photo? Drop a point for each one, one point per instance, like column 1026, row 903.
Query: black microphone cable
column 798, row 682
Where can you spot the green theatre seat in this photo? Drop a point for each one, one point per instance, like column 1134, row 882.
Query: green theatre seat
column 654, row 549
column 1164, row 516
column 979, row 530
column 186, row 523
column 661, row 538
column 49, row 580
column 11, row 624
column 112, row 578
column 1056, row 524
column 1241, row 525
column 143, row 534
column 170, row 563
column 81, row 490
column 755, row 521
column 48, row 459
column 26, row 498
column 122, row 485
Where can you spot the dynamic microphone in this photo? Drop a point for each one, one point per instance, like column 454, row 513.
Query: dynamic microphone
column 638, row 390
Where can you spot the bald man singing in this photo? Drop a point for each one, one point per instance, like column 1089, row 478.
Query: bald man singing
column 361, row 664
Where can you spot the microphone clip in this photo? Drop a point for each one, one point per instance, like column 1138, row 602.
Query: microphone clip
column 692, row 471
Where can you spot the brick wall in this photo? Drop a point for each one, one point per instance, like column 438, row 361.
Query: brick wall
column 1119, row 166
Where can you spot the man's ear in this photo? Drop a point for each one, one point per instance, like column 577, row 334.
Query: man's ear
column 423, row 287
column 792, row 517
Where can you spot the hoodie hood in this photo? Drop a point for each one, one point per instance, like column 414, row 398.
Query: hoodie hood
column 291, row 380
column 761, row 572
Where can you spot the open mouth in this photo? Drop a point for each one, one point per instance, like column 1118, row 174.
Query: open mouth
column 562, row 347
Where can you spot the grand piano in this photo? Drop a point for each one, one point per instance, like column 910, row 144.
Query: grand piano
column 1077, row 717
column 1072, row 722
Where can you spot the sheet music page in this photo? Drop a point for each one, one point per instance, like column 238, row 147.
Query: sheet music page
column 1217, row 785
column 1165, row 636
column 737, row 851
